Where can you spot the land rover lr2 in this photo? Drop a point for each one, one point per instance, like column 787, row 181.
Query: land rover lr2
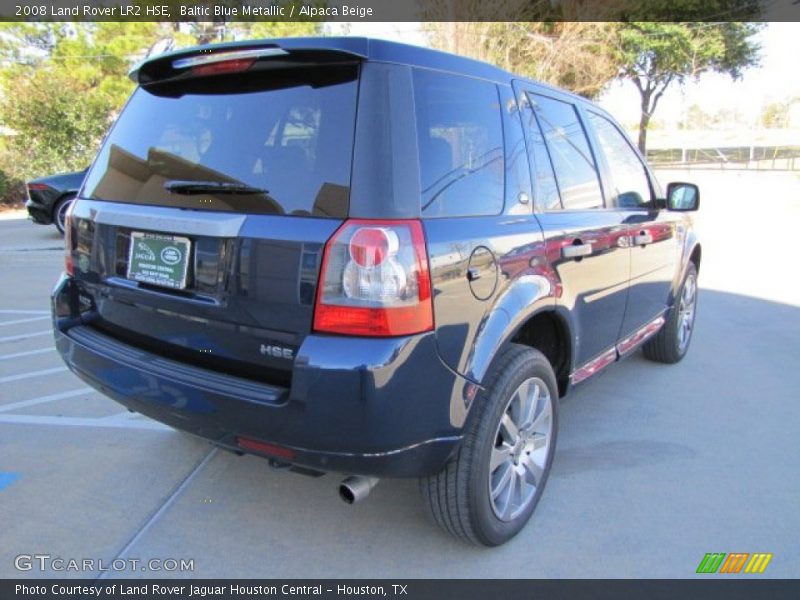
column 355, row 256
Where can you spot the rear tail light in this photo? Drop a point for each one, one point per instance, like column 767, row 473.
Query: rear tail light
column 374, row 280
column 69, row 267
column 38, row 187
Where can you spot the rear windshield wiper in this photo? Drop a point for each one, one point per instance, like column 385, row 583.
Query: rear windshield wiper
column 187, row 188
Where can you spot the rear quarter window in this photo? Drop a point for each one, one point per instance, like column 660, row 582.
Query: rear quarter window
column 460, row 137
column 290, row 136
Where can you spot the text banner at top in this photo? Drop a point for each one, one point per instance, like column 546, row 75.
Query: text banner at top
column 397, row 10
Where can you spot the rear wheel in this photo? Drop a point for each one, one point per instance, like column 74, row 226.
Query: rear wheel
column 60, row 212
column 489, row 489
column 671, row 343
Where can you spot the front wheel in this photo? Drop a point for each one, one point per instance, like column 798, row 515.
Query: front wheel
column 489, row 489
column 671, row 343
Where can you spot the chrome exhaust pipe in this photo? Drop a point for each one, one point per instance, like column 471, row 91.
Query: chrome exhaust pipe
column 356, row 488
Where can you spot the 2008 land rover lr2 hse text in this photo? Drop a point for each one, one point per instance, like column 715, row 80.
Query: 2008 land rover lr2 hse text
column 374, row 259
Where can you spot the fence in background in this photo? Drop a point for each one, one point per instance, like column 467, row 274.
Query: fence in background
column 756, row 158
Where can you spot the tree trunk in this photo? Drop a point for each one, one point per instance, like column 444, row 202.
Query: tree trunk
column 644, row 121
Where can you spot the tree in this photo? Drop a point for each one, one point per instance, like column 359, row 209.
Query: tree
column 776, row 114
column 57, row 127
column 62, row 84
column 549, row 42
column 655, row 55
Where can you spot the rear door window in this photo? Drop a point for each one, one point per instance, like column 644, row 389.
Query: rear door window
column 460, row 136
column 289, row 141
column 570, row 155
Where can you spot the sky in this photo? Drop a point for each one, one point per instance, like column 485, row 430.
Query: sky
column 776, row 79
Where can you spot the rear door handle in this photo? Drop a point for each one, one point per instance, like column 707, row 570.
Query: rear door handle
column 576, row 250
column 642, row 239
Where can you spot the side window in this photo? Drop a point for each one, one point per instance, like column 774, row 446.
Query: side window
column 627, row 171
column 573, row 163
column 545, row 189
column 460, row 136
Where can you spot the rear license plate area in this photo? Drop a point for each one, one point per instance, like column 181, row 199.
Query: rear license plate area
column 158, row 259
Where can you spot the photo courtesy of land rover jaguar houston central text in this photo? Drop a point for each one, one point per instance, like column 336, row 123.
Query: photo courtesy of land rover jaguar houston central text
column 355, row 256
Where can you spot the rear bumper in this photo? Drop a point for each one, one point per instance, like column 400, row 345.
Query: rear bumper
column 376, row 407
column 39, row 213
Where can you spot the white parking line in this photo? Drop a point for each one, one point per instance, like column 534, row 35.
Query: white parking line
column 18, row 321
column 27, row 353
column 29, row 374
column 84, row 422
column 43, row 399
column 24, row 312
column 14, row 338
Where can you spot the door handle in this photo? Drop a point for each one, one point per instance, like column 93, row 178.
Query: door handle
column 576, row 250
column 642, row 239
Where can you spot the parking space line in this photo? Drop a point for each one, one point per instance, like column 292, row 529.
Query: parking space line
column 83, row 422
column 43, row 399
column 29, row 374
column 14, row 338
column 18, row 321
column 27, row 353
column 24, row 312
column 122, row 416
column 170, row 500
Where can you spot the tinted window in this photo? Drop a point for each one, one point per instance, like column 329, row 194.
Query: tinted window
column 545, row 189
column 293, row 139
column 460, row 137
column 572, row 159
column 627, row 171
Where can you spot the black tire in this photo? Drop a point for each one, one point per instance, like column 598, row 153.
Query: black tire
column 667, row 346
column 59, row 210
column 459, row 497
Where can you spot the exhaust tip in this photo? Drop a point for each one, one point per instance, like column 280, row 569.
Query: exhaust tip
column 356, row 488
column 346, row 494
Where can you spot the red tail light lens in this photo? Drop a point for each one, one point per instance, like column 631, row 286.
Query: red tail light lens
column 69, row 267
column 375, row 280
column 38, row 187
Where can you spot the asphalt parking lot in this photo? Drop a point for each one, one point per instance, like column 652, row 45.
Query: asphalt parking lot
column 655, row 467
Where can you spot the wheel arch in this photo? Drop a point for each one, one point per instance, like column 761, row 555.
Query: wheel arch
column 549, row 332
column 62, row 196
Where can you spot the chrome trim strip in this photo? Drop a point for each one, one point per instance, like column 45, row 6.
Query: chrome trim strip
column 162, row 219
column 641, row 335
column 594, row 366
column 205, row 59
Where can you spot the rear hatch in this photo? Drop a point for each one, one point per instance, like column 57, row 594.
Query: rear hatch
column 199, row 231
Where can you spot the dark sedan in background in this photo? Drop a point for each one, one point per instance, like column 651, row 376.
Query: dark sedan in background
column 49, row 197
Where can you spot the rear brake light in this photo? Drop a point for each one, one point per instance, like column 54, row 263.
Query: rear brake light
column 375, row 280
column 69, row 266
column 220, row 68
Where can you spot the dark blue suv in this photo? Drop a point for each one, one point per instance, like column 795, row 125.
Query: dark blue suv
column 357, row 256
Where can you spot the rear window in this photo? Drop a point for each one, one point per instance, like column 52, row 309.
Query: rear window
column 460, row 135
column 282, row 142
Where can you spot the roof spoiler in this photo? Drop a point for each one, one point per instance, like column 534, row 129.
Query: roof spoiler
column 178, row 65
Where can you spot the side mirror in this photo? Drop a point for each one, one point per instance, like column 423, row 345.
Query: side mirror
column 683, row 197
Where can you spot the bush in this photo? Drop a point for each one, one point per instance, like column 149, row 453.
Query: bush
column 12, row 190
column 58, row 126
